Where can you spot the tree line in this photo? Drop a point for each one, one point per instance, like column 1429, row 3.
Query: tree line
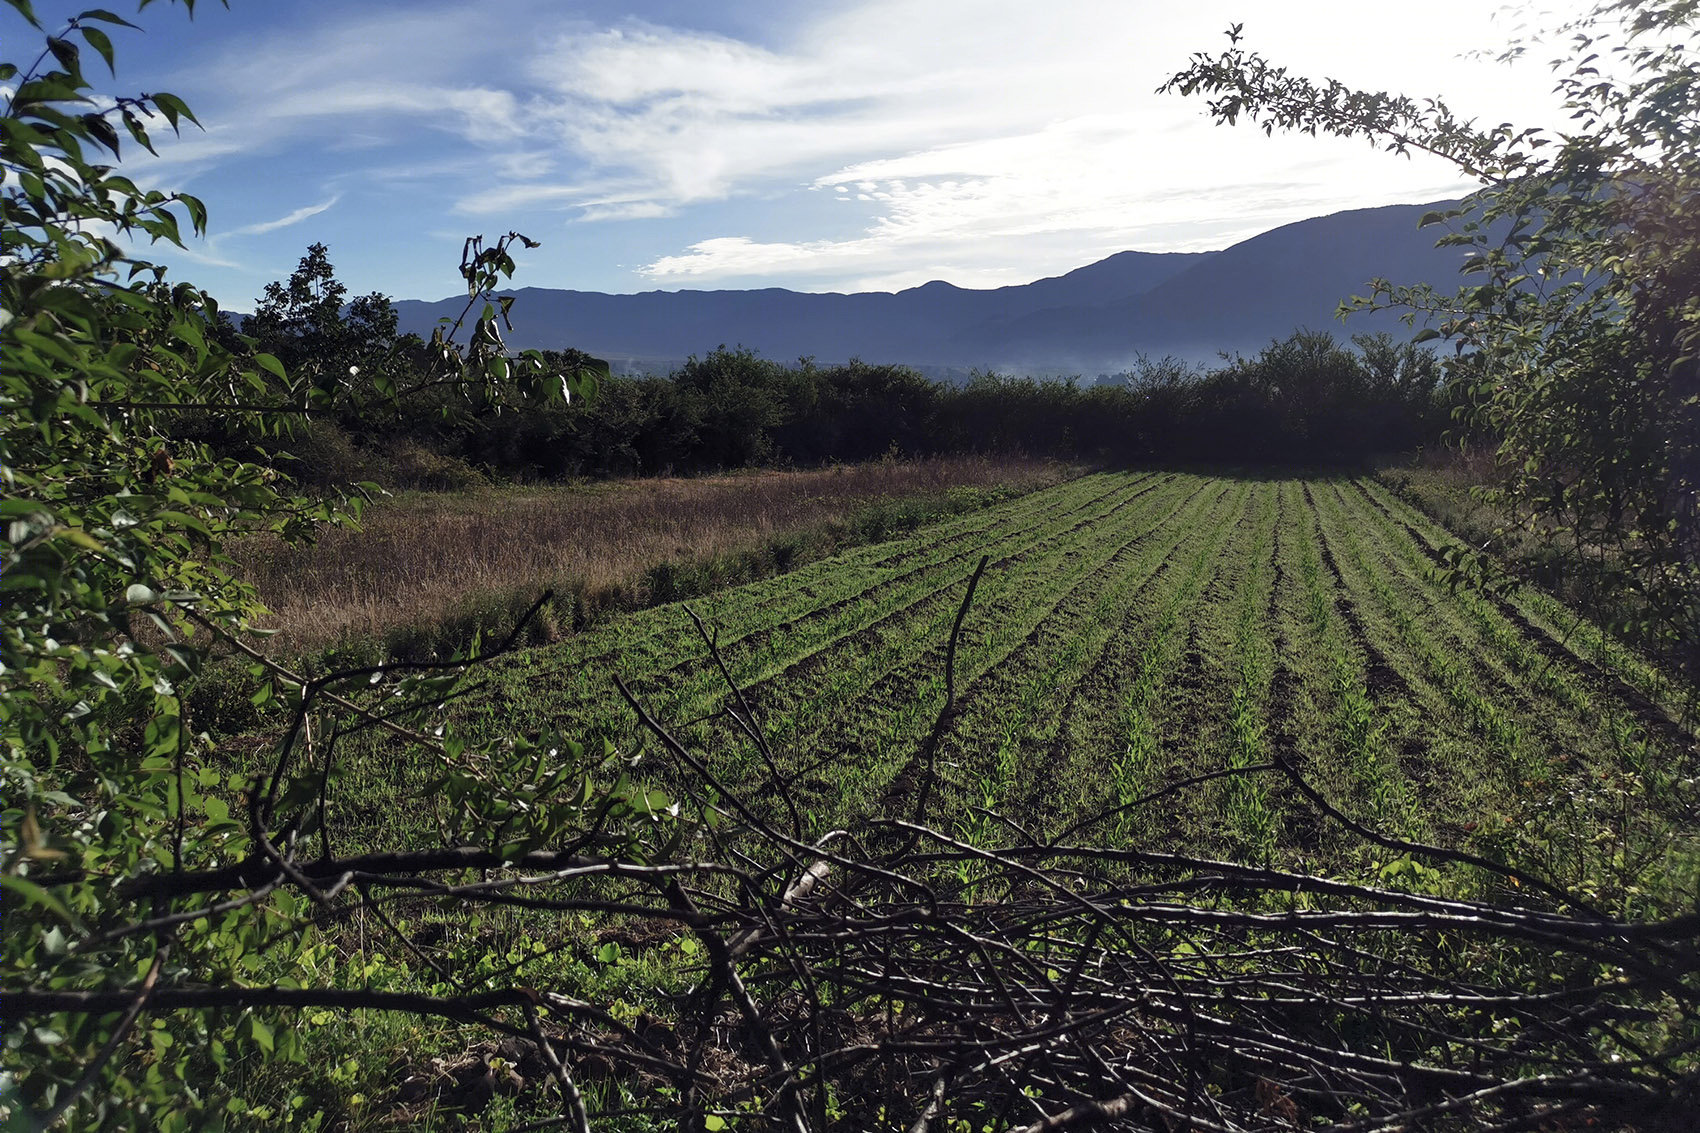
column 1310, row 399
column 1306, row 400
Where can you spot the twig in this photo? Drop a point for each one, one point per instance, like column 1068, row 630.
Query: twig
column 748, row 725
column 92, row 1071
column 935, row 1103
column 928, row 755
column 570, row 1097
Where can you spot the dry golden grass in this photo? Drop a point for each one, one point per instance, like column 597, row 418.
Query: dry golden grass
column 423, row 558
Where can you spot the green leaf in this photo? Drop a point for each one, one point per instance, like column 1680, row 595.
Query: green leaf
column 261, row 1034
column 196, row 210
column 33, row 894
column 134, row 125
column 271, row 365
column 80, row 537
column 105, row 16
column 101, row 131
column 97, row 39
column 67, row 55
column 173, row 108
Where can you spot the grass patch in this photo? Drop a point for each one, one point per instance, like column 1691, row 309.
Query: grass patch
column 428, row 570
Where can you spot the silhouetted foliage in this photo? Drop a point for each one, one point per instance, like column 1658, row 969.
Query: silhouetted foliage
column 1306, row 400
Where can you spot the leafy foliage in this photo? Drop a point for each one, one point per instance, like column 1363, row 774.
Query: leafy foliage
column 1306, row 399
column 115, row 585
column 1577, row 328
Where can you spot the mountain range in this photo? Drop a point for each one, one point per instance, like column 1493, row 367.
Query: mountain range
column 1095, row 319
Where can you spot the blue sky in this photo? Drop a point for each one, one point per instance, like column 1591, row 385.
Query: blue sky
column 840, row 146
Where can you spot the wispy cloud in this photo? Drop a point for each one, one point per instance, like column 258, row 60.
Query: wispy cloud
column 625, row 210
column 957, row 212
column 205, row 256
column 362, row 69
column 948, row 129
column 295, row 217
column 870, row 142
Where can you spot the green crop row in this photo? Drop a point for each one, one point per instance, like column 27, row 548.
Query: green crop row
column 1132, row 631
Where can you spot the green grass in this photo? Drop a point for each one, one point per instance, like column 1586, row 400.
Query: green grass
column 1131, row 630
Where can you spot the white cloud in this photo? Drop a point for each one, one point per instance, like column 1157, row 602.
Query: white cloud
column 638, row 64
column 295, row 217
column 739, row 255
column 983, row 141
column 973, row 121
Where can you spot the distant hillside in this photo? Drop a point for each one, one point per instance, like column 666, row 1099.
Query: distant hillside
column 1095, row 318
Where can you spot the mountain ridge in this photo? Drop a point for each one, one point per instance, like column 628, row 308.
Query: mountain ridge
column 1095, row 318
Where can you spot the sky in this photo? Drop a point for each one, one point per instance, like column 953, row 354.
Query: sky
column 848, row 145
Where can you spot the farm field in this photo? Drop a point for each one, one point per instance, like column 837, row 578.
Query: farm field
column 432, row 566
column 1133, row 630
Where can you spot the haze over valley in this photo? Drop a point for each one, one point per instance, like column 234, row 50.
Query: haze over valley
column 1098, row 318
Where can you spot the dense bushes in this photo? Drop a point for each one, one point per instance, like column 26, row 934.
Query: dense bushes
column 1306, row 400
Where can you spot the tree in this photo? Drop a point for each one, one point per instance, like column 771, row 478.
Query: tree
column 302, row 319
column 1577, row 327
column 115, row 583
column 736, row 399
column 310, row 326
